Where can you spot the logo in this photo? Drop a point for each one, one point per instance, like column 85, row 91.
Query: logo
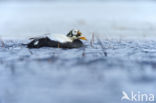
column 138, row 96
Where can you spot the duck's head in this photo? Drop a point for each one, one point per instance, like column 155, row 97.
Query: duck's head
column 75, row 34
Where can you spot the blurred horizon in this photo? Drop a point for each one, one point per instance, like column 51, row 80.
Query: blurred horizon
column 129, row 19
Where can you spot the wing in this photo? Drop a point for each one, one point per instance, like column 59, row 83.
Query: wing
column 40, row 36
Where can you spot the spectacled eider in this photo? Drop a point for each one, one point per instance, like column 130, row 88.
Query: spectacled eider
column 71, row 40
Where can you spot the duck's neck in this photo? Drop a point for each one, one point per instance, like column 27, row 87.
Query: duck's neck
column 70, row 34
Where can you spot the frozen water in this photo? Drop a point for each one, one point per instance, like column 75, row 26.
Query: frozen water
column 77, row 75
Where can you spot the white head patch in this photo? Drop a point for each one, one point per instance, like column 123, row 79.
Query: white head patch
column 74, row 32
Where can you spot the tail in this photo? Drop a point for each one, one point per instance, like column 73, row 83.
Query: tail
column 34, row 43
column 38, row 42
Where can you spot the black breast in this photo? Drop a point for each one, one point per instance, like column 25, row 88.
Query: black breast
column 46, row 42
column 75, row 44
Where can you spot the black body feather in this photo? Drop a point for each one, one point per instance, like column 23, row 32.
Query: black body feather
column 46, row 42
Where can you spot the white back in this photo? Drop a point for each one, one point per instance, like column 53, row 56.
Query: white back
column 59, row 37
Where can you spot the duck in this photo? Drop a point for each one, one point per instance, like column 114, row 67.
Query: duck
column 70, row 40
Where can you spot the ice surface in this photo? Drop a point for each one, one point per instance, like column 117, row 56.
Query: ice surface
column 77, row 75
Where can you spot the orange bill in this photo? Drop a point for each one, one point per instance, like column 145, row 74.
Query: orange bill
column 83, row 38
